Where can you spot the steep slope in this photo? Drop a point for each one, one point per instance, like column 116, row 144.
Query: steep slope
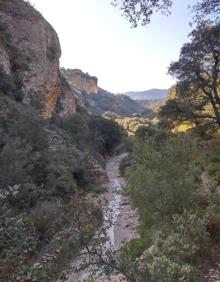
column 153, row 105
column 152, row 94
column 98, row 100
column 50, row 155
column 104, row 101
column 29, row 57
column 80, row 80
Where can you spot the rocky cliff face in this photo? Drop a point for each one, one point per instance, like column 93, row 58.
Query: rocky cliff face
column 29, row 53
column 80, row 80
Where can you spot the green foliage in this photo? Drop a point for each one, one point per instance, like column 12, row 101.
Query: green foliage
column 77, row 127
column 141, row 11
column 178, row 248
column 179, row 217
column 197, row 90
column 97, row 189
column 52, row 51
column 64, row 185
column 6, row 83
column 124, row 164
column 48, row 218
column 211, row 159
column 162, row 182
column 184, row 243
column 105, row 134
column 163, row 269
column 133, row 249
column 43, row 167
column 5, row 36
column 132, row 124
column 94, row 133
column 18, row 239
column 138, row 11
column 36, row 101
column 24, row 151
column 11, row 85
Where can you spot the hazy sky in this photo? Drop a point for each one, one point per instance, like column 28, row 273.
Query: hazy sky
column 95, row 38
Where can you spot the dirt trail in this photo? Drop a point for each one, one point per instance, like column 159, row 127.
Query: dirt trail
column 124, row 217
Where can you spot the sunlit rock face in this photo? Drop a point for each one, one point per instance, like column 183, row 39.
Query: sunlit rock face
column 30, row 50
column 80, row 80
column 66, row 103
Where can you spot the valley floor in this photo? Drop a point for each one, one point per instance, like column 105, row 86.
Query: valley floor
column 124, row 217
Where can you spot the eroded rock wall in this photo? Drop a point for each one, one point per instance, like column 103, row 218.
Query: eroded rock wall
column 80, row 80
column 30, row 51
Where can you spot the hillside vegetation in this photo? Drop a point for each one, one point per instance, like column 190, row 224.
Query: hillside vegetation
column 99, row 101
column 57, row 130
column 173, row 178
column 52, row 153
column 45, row 166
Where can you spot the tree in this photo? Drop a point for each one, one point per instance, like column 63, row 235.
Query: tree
column 177, row 110
column 198, row 74
column 206, row 8
column 140, row 11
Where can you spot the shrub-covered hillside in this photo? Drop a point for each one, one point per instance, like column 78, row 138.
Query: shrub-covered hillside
column 44, row 166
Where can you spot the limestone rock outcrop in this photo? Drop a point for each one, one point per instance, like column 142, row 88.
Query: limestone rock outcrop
column 66, row 103
column 30, row 52
column 80, row 80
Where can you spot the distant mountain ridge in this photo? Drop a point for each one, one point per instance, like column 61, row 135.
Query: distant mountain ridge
column 151, row 94
column 98, row 100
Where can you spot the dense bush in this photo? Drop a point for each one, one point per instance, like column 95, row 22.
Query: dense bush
column 178, row 215
column 48, row 218
column 18, row 240
column 43, row 166
column 162, row 182
column 124, row 164
column 93, row 133
column 7, row 84
column 23, row 156
column 52, row 51
column 105, row 134
column 133, row 249
column 5, row 36
column 77, row 127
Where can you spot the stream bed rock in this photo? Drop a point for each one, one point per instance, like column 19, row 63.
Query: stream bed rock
column 124, row 217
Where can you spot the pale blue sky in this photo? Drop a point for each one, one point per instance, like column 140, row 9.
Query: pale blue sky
column 95, row 38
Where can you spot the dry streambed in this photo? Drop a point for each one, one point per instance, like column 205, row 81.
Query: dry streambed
column 124, row 217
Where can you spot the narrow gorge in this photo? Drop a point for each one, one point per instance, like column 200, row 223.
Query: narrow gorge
column 120, row 220
column 103, row 187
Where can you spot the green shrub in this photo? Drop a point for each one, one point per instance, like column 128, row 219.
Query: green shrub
column 52, row 51
column 18, row 240
column 97, row 189
column 24, row 155
column 161, row 180
column 77, row 127
column 48, row 218
column 134, row 248
column 25, row 197
column 164, row 180
column 104, row 134
column 5, row 37
column 164, row 269
column 124, row 164
column 187, row 238
column 64, row 184
column 7, row 84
